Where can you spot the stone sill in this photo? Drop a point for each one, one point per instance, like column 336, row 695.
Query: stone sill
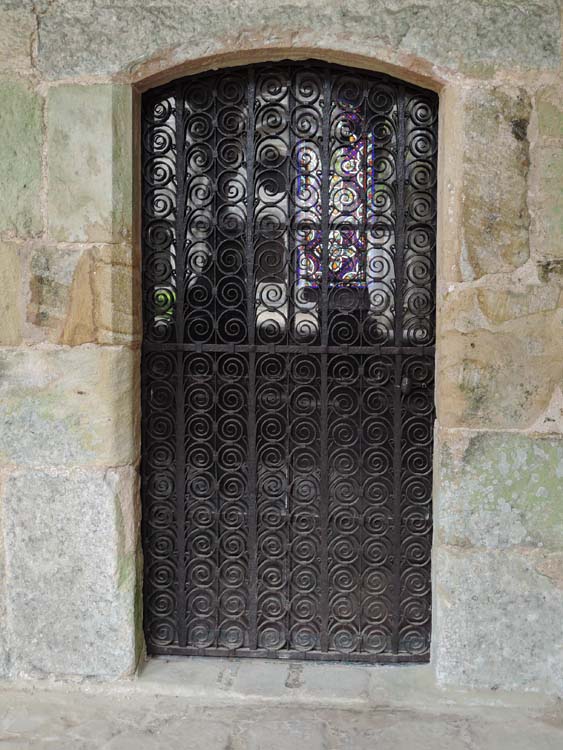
column 213, row 681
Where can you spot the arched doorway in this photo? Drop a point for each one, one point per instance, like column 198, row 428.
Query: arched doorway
column 289, row 214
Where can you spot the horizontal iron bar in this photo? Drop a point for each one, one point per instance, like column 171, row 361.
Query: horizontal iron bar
column 289, row 349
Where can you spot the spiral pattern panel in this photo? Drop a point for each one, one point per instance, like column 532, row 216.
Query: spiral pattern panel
column 416, row 512
column 160, row 528
column 288, row 238
column 159, row 216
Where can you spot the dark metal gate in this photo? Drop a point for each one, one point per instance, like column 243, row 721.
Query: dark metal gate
column 289, row 216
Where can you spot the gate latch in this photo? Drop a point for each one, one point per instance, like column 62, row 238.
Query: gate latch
column 406, row 385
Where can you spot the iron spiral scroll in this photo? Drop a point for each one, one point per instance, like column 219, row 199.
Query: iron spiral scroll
column 289, row 217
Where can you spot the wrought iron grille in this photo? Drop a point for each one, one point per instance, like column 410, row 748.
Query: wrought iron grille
column 288, row 238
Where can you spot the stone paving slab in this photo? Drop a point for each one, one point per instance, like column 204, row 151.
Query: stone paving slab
column 214, row 704
column 78, row 720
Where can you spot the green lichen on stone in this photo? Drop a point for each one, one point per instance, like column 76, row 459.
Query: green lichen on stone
column 89, row 166
column 502, row 490
column 20, row 159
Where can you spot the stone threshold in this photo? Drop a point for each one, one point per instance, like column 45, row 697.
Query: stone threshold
column 210, row 682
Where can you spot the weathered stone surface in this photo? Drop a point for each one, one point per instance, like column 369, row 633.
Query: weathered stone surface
column 473, row 35
column 498, row 490
column 549, row 106
column 495, row 216
column 63, row 407
column 283, row 734
column 117, row 295
column 89, row 171
column 497, row 620
column 498, row 372
column 4, row 638
column 60, row 298
column 17, row 29
column 115, row 716
column 83, row 295
column 11, row 296
column 71, row 574
column 20, row 159
column 549, row 211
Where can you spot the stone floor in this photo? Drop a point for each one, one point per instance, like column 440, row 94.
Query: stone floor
column 204, row 704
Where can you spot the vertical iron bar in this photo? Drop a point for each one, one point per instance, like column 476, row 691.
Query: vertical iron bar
column 397, row 417
column 291, row 308
column 215, row 377
column 180, row 416
column 325, row 231
column 251, row 322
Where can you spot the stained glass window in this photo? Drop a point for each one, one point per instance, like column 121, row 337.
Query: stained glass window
column 351, row 190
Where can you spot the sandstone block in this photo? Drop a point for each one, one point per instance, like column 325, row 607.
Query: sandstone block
column 17, row 29
column 83, row 295
column 497, row 620
column 20, row 159
column 71, row 571
column 494, row 196
column 69, row 406
column 89, row 170
column 550, row 202
column 117, row 295
column 499, row 490
column 549, row 106
column 11, row 297
column 498, row 376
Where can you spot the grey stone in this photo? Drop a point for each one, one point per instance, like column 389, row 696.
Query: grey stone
column 283, row 735
column 352, row 682
column 69, row 406
column 123, row 715
column 71, row 571
column 499, row 490
column 497, row 620
column 89, row 163
column 86, row 37
column 20, row 159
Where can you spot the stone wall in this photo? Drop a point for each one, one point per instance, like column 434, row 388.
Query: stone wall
column 70, row 72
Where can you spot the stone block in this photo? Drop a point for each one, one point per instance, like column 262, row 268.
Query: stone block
column 4, row 638
column 89, row 163
column 497, row 620
column 60, row 300
column 499, row 490
column 17, row 30
column 495, row 215
column 11, row 297
column 117, row 295
column 549, row 107
column 83, row 295
column 549, row 209
column 20, row 159
column 69, row 406
column 284, row 735
column 498, row 376
column 474, row 36
column 70, row 541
